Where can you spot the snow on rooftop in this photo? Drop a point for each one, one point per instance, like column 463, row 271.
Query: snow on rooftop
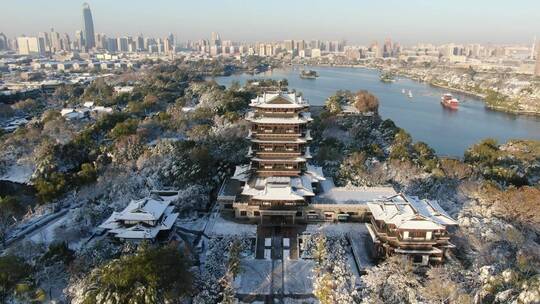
column 315, row 172
column 280, row 99
column 407, row 212
column 300, row 119
column 144, row 218
column 279, row 188
column 278, row 194
column 241, row 172
column 351, row 195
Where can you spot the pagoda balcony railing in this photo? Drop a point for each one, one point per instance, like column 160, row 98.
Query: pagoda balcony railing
column 278, row 172
column 277, row 155
column 281, row 131
column 279, row 135
column 271, row 113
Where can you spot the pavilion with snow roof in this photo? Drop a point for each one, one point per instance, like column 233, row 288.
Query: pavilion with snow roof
column 406, row 225
column 143, row 219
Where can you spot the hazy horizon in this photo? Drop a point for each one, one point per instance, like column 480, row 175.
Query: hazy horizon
column 358, row 22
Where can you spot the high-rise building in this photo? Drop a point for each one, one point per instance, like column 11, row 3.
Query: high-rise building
column 289, row 45
column 30, row 45
column 148, row 42
column 300, row 45
column 139, row 43
column 112, row 45
column 47, row 41
column 387, row 48
column 3, row 42
column 167, row 45
column 89, row 38
column 533, row 48
column 66, row 42
column 537, row 68
column 56, row 43
column 78, row 41
column 172, row 41
column 122, row 44
column 215, row 40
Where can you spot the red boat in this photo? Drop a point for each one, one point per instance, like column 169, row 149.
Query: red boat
column 448, row 101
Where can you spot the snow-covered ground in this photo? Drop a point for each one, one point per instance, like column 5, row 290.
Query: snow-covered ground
column 298, row 277
column 335, row 229
column 198, row 224
column 46, row 234
column 18, row 174
column 254, row 277
column 218, row 226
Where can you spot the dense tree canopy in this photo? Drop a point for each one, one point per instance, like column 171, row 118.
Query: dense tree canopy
column 152, row 275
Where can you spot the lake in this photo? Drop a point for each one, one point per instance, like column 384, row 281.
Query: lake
column 448, row 132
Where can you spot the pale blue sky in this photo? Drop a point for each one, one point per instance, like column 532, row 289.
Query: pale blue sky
column 359, row 21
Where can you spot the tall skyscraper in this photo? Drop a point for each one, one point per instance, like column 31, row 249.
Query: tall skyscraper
column 89, row 38
column 533, row 48
column 537, row 68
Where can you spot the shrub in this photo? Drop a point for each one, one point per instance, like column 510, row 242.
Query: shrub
column 333, row 105
column 58, row 252
column 401, row 145
column 157, row 275
column 128, row 127
column 87, row 174
column 13, row 270
column 51, row 187
column 10, row 206
column 484, row 153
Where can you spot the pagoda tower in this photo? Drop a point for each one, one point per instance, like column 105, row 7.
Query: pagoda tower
column 279, row 181
column 279, row 134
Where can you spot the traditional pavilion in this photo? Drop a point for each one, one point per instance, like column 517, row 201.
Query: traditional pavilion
column 407, row 225
column 143, row 219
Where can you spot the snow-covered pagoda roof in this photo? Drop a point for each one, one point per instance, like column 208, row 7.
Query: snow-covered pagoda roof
column 303, row 117
column 407, row 212
column 279, row 100
column 242, row 172
column 315, row 173
column 279, row 188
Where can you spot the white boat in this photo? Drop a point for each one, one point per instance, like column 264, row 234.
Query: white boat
column 402, row 91
column 409, row 94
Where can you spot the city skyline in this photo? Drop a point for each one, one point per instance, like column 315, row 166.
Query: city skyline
column 411, row 22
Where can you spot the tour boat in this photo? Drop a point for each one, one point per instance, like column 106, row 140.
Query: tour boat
column 308, row 74
column 448, row 101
